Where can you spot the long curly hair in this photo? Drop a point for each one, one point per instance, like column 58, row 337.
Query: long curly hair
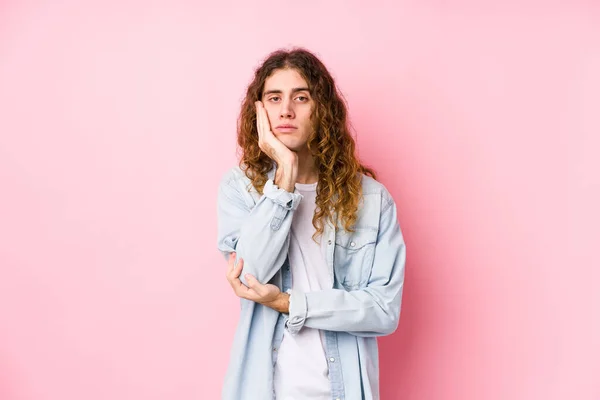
column 339, row 188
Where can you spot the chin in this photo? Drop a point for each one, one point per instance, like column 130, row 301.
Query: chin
column 290, row 144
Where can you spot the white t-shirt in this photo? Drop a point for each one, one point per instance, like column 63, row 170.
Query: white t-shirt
column 301, row 371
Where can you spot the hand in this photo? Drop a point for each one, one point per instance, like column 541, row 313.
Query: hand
column 267, row 294
column 286, row 159
column 267, row 141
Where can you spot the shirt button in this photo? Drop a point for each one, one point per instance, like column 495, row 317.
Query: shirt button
column 352, row 244
column 329, row 242
column 332, row 359
column 274, row 348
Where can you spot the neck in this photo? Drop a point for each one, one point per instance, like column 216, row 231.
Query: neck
column 307, row 172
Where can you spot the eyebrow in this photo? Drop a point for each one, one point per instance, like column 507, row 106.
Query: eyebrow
column 294, row 90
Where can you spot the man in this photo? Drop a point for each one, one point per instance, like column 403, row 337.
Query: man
column 320, row 254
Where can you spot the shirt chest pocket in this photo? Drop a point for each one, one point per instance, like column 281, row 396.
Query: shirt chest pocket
column 353, row 257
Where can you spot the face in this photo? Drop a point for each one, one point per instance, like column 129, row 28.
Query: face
column 289, row 105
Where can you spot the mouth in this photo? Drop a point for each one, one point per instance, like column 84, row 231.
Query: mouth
column 286, row 128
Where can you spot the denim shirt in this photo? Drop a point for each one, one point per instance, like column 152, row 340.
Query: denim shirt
column 367, row 271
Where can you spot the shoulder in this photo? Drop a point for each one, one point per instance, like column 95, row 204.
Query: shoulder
column 235, row 186
column 232, row 175
column 375, row 204
column 236, row 176
column 372, row 187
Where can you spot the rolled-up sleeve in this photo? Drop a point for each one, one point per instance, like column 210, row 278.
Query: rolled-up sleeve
column 288, row 202
column 297, row 314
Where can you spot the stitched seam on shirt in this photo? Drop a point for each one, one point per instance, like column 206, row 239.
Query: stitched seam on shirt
column 232, row 184
column 387, row 206
column 278, row 218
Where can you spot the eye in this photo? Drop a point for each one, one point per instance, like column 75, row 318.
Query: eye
column 302, row 98
column 274, row 98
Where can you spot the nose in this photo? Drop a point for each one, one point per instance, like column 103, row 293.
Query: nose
column 286, row 111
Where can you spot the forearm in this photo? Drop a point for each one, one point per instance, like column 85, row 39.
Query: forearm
column 370, row 311
column 366, row 312
column 259, row 235
column 281, row 304
column 286, row 175
column 262, row 240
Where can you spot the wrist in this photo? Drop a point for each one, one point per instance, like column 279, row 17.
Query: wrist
column 281, row 303
column 288, row 160
column 285, row 176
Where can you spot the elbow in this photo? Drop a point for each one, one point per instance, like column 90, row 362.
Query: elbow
column 385, row 325
column 262, row 266
column 249, row 268
column 264, row 275
column 389, row 323
column 389, row 317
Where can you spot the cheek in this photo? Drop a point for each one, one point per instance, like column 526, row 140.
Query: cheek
column 304, row 116
column 271, row 115
column 308, row 123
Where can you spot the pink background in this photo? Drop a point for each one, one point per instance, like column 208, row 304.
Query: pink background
column 117, row 121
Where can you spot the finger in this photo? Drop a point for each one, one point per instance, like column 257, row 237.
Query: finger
column 242, row 290
column 258, row 119
column 230, row 262
column 254, row 284
column 236, row 270
column 234, row 273
column 236, row 284
column 266, row 122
